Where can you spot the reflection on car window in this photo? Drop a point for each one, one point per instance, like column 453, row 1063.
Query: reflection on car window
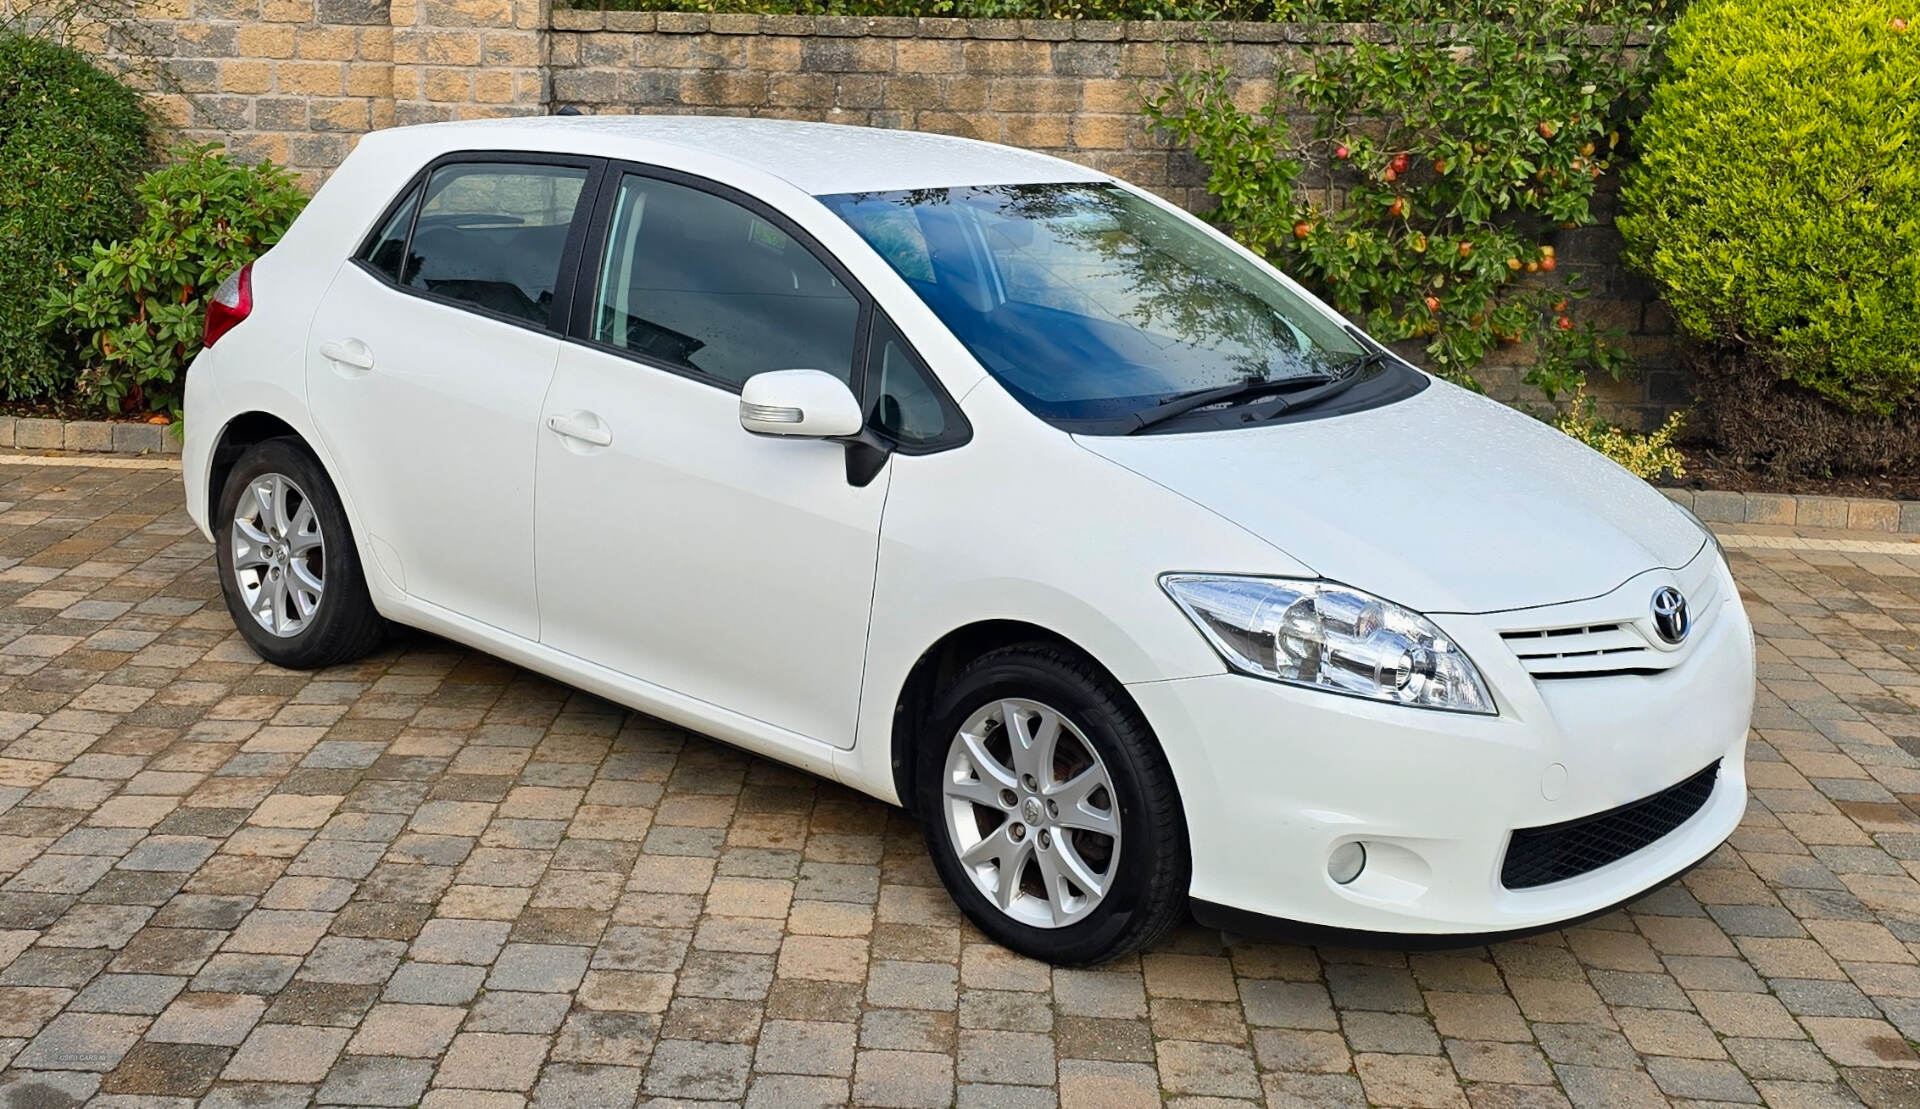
column 700, row 282
column 491, row 235
column 1089, row 302
column 907, row 406
column 386, row 249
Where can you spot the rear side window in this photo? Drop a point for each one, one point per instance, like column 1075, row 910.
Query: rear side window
column 696, row 281
column 487, row 234
column 386, row 249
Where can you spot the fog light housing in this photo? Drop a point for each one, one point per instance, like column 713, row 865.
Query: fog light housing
column 1346, row 862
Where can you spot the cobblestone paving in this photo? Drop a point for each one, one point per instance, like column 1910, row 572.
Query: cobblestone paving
column 436, row 879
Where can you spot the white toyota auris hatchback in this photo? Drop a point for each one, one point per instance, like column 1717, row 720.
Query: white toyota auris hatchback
column 989, row 485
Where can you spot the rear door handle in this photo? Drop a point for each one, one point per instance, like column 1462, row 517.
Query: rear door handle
column 583, row 426
column 351, row 353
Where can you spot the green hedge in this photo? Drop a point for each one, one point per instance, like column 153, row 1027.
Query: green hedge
column 72, row 141
column 1777, row 198
column 139, row 304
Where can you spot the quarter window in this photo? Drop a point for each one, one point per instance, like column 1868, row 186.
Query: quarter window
column 390, row 245
column 699, row 282
column 908, row 407
column 491, row 235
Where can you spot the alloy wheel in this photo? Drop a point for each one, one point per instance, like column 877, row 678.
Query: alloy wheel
column 279, row 554
column 1031, row 813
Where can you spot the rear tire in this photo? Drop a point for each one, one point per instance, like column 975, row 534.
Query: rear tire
column 1049, row 810
column 288, row 567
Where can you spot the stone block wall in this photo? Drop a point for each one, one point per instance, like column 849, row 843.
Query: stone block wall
column 298, row 80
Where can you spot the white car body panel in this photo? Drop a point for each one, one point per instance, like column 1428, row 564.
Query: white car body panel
column 830, row 594
column 667, row 527
column 1503, row 511
column 436, row 439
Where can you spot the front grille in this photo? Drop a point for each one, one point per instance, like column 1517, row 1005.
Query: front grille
column 1582, row 649
column 1609, row 646
column 1557, row 852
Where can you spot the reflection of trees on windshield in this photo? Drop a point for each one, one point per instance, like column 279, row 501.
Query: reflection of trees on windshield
column 1174, row 280
column 1163, row 278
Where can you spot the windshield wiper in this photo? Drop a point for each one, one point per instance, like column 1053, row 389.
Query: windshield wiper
column 1182, row 403
column 1372, row 354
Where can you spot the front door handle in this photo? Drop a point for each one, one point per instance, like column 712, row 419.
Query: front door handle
column 351, row 353
column 583, row 426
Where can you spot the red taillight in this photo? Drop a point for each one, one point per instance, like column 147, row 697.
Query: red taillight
column 230, row 304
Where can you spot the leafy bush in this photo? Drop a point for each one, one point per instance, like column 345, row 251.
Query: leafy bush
column 1777, row 200
column 1645, row 456
column 141, row 302
column 1435, row 171
column 72, row 140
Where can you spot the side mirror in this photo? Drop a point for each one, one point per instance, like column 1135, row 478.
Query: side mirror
column 800, row 404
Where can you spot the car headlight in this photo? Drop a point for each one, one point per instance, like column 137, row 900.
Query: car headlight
column 1330, row 637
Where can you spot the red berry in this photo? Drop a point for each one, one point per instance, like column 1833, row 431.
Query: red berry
column 1302, row 229
column 1342, row 153
column 1548, row 263
column 1400, row 163
column 1563, row 323
column 1433, row 304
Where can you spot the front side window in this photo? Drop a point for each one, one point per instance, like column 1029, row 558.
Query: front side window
column 1092, row 304
column 700, row 283
column 490, row 235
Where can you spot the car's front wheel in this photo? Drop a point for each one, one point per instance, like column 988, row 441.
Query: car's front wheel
column 1050, row 810
column 288, row 567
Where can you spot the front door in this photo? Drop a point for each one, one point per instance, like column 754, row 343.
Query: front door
column 672, row 545
column 428, row 360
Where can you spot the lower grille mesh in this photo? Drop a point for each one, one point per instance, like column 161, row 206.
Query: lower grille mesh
column 1539, row 856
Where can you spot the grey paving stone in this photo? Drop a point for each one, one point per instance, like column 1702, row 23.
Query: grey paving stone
column 367, row 1081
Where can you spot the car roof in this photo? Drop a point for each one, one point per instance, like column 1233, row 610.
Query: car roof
column 819, row 158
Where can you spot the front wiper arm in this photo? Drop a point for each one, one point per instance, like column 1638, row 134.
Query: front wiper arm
column 1372, row 353
column 1184, row 403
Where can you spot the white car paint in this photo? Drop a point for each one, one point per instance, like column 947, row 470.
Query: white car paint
column 740, row 586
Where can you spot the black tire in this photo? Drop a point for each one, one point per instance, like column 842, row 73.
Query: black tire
column 1147, row 893
column 344, row 626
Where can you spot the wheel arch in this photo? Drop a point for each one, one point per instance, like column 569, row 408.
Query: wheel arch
column 937, row 665
column 242, row 431
column 256, row 424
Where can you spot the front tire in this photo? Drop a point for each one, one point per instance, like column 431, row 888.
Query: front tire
column 1049, row 809
column 288, row 568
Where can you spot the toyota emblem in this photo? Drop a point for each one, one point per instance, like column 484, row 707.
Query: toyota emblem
column 1670, row 617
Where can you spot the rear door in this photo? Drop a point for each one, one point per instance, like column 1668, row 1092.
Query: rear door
column 428, row 360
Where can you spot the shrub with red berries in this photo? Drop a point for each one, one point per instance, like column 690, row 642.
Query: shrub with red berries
column 1447, row 211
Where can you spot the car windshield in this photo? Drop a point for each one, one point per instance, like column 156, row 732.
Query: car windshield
column 1092, row 303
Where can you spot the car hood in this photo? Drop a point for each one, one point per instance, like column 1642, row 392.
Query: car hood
column 1444, row 502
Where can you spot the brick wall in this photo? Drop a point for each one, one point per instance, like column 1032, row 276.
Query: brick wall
column 297, row 80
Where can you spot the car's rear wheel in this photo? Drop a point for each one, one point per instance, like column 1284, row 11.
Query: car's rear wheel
column 1049, row 808
column 288, row 567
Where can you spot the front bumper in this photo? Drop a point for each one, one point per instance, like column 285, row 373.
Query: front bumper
column 1273, row 778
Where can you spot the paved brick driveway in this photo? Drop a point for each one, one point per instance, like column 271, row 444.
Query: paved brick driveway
column 437, row 879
